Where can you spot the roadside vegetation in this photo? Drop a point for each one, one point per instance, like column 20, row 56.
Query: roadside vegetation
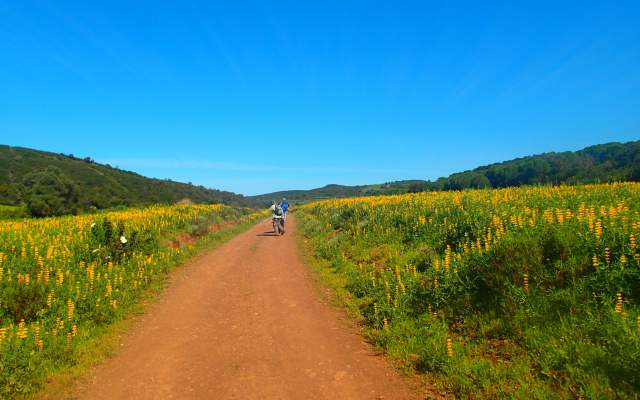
column 526, row 292
column 65, row 280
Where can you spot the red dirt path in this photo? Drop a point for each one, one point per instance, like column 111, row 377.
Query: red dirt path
column 244, row 322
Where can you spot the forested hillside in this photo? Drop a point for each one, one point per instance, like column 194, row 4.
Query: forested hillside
column 599, row 163
column 88, row 184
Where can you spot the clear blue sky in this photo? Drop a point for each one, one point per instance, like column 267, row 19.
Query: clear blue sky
column 257, row 96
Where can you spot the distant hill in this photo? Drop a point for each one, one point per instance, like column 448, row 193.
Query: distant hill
column 98, row 185
column 600, row 163
column 335, row 191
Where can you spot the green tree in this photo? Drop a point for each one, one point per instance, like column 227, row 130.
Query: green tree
column 8, row 194
column 49, row 192
column 466, row 180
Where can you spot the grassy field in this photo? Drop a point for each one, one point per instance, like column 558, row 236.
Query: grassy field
column 527, row 293
column 13, row 212
column 65, row 281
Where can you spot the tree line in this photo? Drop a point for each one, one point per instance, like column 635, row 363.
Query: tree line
column 596, row 164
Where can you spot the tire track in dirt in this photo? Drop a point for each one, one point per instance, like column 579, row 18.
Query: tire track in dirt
column 243, row 322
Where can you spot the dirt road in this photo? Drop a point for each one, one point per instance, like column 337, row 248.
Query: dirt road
column 244, row 322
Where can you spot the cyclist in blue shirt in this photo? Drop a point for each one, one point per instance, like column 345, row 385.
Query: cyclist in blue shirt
column 284, row 204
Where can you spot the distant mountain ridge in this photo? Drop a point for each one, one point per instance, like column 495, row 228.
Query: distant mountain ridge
column 98, row 185
column 334, row 191
column 103, row 186
column 599, row 163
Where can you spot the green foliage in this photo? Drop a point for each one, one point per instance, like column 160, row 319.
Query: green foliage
column 113, row 243
column 49, row 192
column 22, row 301
column 467, row 180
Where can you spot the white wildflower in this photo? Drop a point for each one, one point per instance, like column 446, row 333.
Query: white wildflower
column 123, row 239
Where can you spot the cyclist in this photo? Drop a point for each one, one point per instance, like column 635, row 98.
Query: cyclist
column 284, row 205
column 277, row 217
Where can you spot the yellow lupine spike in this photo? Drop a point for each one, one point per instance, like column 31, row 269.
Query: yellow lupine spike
column 22, row 330
column 70, row 310
column 618, row 307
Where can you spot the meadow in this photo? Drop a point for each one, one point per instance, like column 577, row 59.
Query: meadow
column 521, row 292
column 63, row 280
